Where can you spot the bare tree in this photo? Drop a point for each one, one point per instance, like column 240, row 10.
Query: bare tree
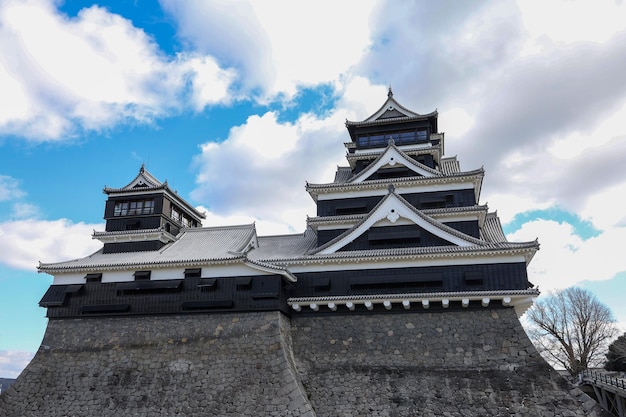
column 571, row 329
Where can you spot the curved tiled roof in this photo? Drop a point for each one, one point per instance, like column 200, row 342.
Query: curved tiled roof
column 492, row 230
column 436, row 212
column 383, row 183
column 196, row 245
column 145, row 178
column 406, row 161
column 450, row 166
column 227, row 245
column 391, row 106
column 526, row 249
column 284, row 246
column 149, row 183
column 342, row 175
column 438, row 225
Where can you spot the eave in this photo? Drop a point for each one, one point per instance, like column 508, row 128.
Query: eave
column 449, row 213
column 415, row 254
column 409, row 150
column 391, row 156
column 134, row 236
column 521, row 300
column 476, row 177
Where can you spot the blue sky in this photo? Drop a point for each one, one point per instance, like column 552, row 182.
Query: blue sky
column 238, row 103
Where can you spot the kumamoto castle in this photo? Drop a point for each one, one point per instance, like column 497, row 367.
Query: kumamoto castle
column 401, row 298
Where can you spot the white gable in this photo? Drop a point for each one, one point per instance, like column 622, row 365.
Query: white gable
column 394, row 209
column 390, row 158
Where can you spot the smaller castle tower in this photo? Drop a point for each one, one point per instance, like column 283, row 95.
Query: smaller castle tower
column 144, row 215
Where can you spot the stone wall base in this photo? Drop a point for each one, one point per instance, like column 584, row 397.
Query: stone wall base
column 454, row 363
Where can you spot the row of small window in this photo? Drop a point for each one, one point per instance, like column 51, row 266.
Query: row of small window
column 131, row 208
column 400, row 138
column 144, row 275
column 205, row 284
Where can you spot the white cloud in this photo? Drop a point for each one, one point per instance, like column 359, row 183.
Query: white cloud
column 209, row 82
column 24, row 243
column 565, row 259
column 260, row 171
column 92, row 71
column 12, row 362
column 25, row 211
column 10, row 189
column 572, row 21
column 278, row 45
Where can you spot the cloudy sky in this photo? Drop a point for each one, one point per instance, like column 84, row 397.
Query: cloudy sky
column 238, row 103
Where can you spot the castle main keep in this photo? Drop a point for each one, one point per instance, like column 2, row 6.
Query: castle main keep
column 401, row 298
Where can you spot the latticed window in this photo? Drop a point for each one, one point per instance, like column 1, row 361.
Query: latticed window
column 176, row 215
column 400, row 138
column 131, row 208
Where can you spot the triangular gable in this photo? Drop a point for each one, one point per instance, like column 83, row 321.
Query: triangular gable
column 391, row 108
column 393, row 156
column 143, row 180
column 391, row 209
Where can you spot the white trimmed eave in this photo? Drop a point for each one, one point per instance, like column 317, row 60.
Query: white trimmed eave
column 410, row 257
column 521, row 300
column 391, row 210
column 403, row 185
column 270, row 269
column 412, row 149
column 390, row 105
column 390, row 158
column 52, row 269
column 134, row 236
column 443, row 215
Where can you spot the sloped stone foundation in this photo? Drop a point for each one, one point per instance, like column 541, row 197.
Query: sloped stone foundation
column 453, row 363
column 213, row 365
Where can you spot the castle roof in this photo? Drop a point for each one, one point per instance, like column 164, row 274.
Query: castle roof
column 475, row 177
column 391, row 112
column 144, row 182
column 240, row 244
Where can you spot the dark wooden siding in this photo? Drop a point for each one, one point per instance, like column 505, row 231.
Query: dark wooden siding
column 270, row 293
column 469, row 227
column 507, row 276
column 439, row 199
column 142, row 246
column 189, row 295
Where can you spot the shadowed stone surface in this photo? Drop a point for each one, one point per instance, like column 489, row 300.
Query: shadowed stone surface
column 217, row 365
column 454, row 363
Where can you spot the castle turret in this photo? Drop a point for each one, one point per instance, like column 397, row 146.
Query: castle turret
column 144, row 215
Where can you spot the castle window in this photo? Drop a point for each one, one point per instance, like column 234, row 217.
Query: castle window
column 121, row 208
column 186, row 221
column 93, row 278
column 193, row 272
column 176, row 215
column 473, row 279
column 148, row 207
column 243, row 283
column 207, row 284
column 142, row 275
column 132, row 208
column 400, row 138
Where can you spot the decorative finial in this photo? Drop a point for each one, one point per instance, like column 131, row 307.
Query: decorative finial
column 143, row 168
column 391, row 188
column 390, row 93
